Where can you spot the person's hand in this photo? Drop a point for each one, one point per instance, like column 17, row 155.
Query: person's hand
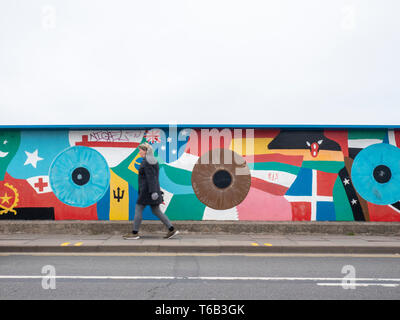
column 154, row 195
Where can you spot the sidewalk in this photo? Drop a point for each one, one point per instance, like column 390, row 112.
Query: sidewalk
column 189, row 241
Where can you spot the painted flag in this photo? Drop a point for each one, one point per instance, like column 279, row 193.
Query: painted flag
column 9, row 145
column 36, row 152
column 274, row 182
column 252, row 143
column 176, row 163
column 318, row 151
column 35, row 205
column 153, row 136
column 114, row 145
column 120, row 204
column 273, row 177
column 341, row 137
column 135, row 163
column 360, row 139
column 168, row 144
column 313, row 145
column 9, row 198
column 394, row 137
column 40, row 184
column 311, row 195
column 254, row 147
column 128, row 168
column 348, row 204
column 119, row 198
column 384, row 213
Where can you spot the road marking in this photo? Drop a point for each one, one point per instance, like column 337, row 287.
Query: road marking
column 374, row 281
column 254, row 244
column 268, row 244
column 64, row 244
column 359, row 284
column 197, row 254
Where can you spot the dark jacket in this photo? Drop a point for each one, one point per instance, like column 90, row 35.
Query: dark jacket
column 148, row 183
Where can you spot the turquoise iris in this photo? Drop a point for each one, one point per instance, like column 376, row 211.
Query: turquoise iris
column 79, row 176
column 376, row 173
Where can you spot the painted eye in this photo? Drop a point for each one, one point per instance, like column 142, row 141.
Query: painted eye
column 221, row 184
column 376, row 174
column 79, row 176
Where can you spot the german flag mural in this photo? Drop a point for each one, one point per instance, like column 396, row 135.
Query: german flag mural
column 205, row 174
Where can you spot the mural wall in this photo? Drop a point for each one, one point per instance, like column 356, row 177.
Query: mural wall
column 205, row 174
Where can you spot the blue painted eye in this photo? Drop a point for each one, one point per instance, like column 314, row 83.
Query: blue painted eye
column 79, row 176
column 376, row 173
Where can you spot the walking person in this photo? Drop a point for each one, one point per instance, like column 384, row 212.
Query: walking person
column 149, row 193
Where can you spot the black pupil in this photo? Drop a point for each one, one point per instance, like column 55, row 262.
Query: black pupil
column 222, row 179
column 382, row 174
column 80, row 176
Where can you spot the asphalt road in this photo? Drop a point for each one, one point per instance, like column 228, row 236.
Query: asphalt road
column 221, row 277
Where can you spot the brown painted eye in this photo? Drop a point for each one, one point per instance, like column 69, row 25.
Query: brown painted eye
column 221, row 179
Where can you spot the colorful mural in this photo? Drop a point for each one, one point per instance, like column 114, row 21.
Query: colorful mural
column 205, row 174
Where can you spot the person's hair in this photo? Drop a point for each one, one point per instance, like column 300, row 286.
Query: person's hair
column 149, row 152
column 144, row 146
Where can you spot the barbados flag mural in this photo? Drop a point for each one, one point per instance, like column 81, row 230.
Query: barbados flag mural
column 205, row 174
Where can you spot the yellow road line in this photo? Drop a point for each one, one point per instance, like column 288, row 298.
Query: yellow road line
column 65, row 244
column 268, row 244
column 78, row 244
column 255, row 244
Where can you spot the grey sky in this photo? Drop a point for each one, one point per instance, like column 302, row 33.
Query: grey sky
column 203, row 61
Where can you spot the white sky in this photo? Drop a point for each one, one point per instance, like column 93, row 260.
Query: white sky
column 199, row 62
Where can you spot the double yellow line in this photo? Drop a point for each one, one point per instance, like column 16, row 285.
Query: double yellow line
column 64, row 244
